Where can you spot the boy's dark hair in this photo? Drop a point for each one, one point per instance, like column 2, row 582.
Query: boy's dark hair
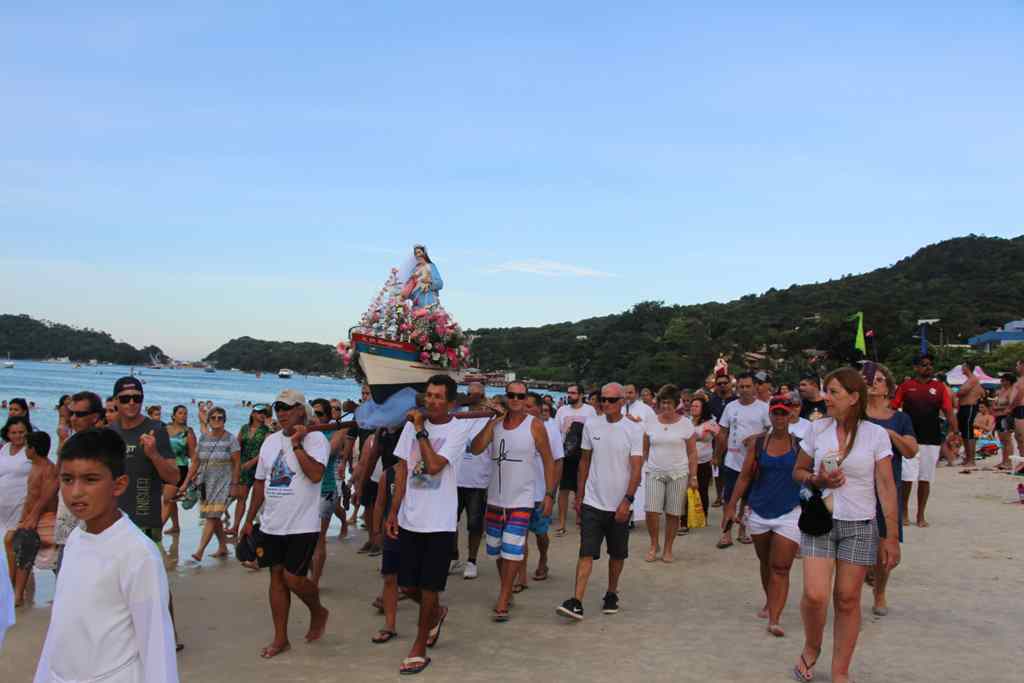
column 39, row 442
column 323, row 404
column 104, row 445
column 744, row 375
column 451, row 389
column 20, row 402
column 535, row 398
column 17, row 420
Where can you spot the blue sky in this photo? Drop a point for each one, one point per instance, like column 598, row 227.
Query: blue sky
column 183, row 176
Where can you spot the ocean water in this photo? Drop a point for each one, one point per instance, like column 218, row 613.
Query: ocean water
column 45, row 383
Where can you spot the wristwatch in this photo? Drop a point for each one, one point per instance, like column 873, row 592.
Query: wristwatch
column 423, row 434
column 628, row 497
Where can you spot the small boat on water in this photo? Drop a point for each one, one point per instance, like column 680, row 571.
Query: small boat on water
column 208, row 369
column 285, row 373
column 8, row 364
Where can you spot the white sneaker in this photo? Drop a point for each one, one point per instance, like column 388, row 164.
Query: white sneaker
column 470, row 571
column 455, row 566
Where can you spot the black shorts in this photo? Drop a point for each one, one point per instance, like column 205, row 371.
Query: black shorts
column 1018, row 413
column 391, row 556
column 294, row 551
column 570, row 470
column 474, row 502
column 1004, row 423
column 368, row 496
column 424, row 559
column 182, row 474
column 965, row 421
column 599, row 525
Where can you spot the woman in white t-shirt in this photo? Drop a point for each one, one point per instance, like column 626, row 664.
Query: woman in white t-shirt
column 670, row 454
column 849, row 456
column 705, row 428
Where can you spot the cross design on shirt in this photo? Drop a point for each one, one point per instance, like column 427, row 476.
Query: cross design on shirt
column 503, row 457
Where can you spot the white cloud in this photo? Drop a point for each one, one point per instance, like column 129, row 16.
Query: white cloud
column 548, row 269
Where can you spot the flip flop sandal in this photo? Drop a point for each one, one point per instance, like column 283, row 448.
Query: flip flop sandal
column 540, row 575
column 745, row 540
column 723, row 546
column 519, row 588
column 561, row 532
column 435, row 633
column 500, row 615
column 809, row 668
column 414, row 665
column 379, row 604
column 383, row 636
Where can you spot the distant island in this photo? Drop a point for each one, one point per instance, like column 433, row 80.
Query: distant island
column 246, row 353
column 24, row 337
column 971, row 284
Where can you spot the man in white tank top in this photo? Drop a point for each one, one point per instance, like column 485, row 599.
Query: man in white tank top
column 516, row 439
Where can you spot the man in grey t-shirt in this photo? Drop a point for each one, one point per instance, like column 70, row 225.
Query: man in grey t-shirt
column 150, row 461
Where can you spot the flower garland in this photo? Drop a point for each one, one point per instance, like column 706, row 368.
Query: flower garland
column 440, row 340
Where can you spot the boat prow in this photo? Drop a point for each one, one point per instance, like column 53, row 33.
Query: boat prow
column 392, row 365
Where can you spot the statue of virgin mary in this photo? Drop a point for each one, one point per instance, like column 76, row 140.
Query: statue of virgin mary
column 421, row 278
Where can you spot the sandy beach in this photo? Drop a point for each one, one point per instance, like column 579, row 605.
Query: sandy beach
column 954, row 606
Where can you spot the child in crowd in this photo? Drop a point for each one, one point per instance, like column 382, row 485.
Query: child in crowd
column 110, row 617
column 38, row 514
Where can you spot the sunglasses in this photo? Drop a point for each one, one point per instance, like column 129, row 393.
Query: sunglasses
column 216, row 418
column 280, row 406
column 82, row 413
column 610, row 399
column 519, row 396
column 125, row 399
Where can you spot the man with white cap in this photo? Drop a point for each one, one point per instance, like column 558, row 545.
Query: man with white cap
column 288, row 472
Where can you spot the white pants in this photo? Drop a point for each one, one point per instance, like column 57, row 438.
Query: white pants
column 787, row 525
column 922, row 466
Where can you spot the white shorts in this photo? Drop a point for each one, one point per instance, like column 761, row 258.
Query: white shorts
column 922, row 466
column 788, row 525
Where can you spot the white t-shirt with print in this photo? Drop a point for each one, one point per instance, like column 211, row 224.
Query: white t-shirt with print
column 431, row 500
column 706, row 449
column 292, row 500
column 611, row 444
column 475, row 470
column 742, row 421
column 555, row 441
column 855, row 500
column 566, row 415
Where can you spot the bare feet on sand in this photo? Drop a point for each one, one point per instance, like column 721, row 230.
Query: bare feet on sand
column 317, row 625
column 274, row 649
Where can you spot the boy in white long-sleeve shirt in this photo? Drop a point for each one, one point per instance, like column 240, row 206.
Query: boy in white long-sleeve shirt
column 110, row 619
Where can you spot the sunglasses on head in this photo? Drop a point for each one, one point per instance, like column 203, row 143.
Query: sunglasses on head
column 610, row 399
column 516, row 395
column 125, row 399
column 281, row 405
column 82, row 413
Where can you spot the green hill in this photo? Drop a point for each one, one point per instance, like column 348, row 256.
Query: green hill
column 972, row 283
column 25, row 337
column 246, row 353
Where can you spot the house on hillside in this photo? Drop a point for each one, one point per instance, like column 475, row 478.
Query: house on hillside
column 1010, row 333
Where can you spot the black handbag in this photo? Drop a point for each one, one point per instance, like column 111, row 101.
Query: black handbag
column 815, row 517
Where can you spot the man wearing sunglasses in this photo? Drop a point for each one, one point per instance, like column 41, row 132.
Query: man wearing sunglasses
column 149, row 461
column 610, row 462
column 923, row 398
column 287, row 487
column 517, row 439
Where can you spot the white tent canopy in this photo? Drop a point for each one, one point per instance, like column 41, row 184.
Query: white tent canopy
column 957, row 376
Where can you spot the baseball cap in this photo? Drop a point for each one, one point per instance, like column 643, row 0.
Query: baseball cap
column 292, row 397
column 126, row 383
column 779, row 404
column 761, row 377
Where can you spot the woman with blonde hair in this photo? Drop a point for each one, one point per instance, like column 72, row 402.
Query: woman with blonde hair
column 846, row 457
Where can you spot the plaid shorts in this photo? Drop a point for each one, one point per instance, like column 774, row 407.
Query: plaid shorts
column 853, row 542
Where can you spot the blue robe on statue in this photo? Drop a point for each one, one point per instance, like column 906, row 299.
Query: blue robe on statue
column 420, row 298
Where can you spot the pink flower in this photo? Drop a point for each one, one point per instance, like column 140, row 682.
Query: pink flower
column 424, row 357
column 440, row 348
column 440, row 330
column 419, row 313
column 341, row 347
column 453, row 358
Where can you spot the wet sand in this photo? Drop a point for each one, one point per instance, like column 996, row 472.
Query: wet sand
column 955, row 603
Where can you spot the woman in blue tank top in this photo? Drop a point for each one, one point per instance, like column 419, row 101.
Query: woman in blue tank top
column 774, row 508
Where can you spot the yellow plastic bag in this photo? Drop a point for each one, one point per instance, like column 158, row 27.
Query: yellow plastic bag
column 695, row 518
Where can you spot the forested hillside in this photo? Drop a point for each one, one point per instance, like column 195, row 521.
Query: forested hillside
column 25, row 337
column 972, row 283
